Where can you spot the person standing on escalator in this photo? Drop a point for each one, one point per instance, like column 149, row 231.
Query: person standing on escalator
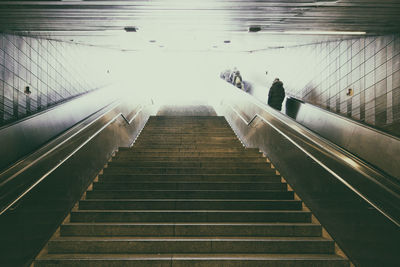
column 276, row 94
column 238, row 81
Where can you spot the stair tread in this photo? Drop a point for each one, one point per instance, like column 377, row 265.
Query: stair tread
column 192, row 211
column 184, row 182
column 161, row 190
column 189, row 238
column 192, row 199
column 193, row 256
column 198, row 223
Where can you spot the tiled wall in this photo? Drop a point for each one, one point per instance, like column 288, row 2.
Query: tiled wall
column 370, row 66
column 54, row 71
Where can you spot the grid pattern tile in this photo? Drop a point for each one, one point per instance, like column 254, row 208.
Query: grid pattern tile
column 54, row 71
column 369, row 66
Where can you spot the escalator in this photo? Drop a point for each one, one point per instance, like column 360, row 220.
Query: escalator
column 188, row 193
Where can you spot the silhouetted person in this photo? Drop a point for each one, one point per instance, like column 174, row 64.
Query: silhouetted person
column 276, row 94
column 238, row 80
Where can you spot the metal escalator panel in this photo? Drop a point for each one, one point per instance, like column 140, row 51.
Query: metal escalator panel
column 356, row 202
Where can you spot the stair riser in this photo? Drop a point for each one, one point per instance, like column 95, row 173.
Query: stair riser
column 190, row 186
column 188, row 157
column 212, row 127
column 195, row 147
column 190, row 230
column 186, row 246
column 189, row 216
column 184, row 143
column 192, row 146
column 208, row 152
column 187, row 140
column 245, row 262
column 176, row 150
column 185, row 133
column 212, row 165
column 188, row 205
column 203, row 160
column 133, row 171
column 190, row 178
column 166, row 153
column 189, row 194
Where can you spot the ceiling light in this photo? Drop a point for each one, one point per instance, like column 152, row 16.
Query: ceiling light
column 130, row 29
column 254, row 28
column 227, row 41
column 152, row 41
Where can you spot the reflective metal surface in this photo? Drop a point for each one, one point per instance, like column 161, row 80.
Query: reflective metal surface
column 22, row 138
column 51, row 180
column 355, row 203
column 378, row 148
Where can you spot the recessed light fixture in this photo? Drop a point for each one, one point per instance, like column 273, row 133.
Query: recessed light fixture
column 152, row 41
column 254, row 28
column 214, row 46
column 227, row 41
column 130, row 29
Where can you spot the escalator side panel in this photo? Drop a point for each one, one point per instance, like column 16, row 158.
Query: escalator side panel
column 365, row 235
column 26, row 227
column 378, row 148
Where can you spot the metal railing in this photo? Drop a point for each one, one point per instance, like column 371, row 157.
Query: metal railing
column 25, row 175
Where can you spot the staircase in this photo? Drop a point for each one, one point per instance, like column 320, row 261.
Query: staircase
column 189, row 194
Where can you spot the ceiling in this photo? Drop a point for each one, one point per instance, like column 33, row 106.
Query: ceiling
column 220, row 25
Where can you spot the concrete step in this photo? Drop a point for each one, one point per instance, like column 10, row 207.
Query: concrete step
column 189, row 155
column 197, row 131
column 188, row 204
column 189, row 186
column 191, row 229
column 141, row 245
column 187, row 145
column 243, row 151
column 199, row 138
column 180, row 123
column 186, row 164
column 167, row 134
column 238, row 149
column 189, row 216
column 191, row 177
column 189, row 260
column 179, row 194
column 189, row 160
column 165, row 170
column 188, row 130
column 180, row 141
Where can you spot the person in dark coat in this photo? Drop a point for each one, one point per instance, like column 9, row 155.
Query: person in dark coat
column 276, row 94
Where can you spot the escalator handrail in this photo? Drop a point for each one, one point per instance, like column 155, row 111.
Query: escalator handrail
column 68, row 140
column 344, row 118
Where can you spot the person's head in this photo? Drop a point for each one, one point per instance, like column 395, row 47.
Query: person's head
column 276, row 80
column 237, row 72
